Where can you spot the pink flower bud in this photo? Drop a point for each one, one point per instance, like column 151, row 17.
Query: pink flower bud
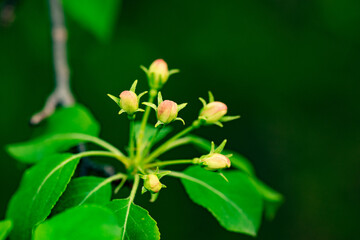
column 213, row 111
column 129, row 102
column 159, row 73
column 216, row 161
column 167, row 111
column 152, row 183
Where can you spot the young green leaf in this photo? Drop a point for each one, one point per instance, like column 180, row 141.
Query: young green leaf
column 39, row 190
column 96, row 16
column 138, row 224
column 150, row 131
column 236, row 204
column 75, row 119
column 90, row 222
column 84, row 190
column 5, row 228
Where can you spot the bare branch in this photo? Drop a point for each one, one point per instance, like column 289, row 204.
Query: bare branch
column 62, row 94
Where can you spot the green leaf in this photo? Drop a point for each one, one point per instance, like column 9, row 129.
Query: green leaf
column 88, row 222
column 39, row 190
column 84, row 190
column 75, row 119
column 96, row 16
column 272, row 199
column 236, row 204
column 150, row 131
column 5, row 228
column 136, row 224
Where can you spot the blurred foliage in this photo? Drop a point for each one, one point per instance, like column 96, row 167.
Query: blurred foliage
column 289, row 67
column 94, row 15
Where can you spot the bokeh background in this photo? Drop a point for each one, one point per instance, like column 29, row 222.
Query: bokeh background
column 291, row 68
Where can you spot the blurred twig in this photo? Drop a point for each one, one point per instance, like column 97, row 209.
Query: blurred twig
column 62, row 94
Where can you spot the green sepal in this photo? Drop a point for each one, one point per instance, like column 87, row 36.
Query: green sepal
column 115, row 99
column 229, row 118
column 221, row 147
column 173, row 71
column 121, row 112
column 143, row 190
column 219, row 124
column 181, row 106
column 153, row 106
column 202, row 101
column 133, row 86
column 140, row 110
column 212, row 150
column 180, row 119
column 158, row 123
column 144, row 69
column 211, row 97
column 160, row 98
column 142, row 94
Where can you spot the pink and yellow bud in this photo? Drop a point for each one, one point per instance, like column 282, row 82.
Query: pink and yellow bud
column 213, row 112
column 152, row 183
column 216, row 161
column 129, row 102
column 167, row 111
column 158, row 73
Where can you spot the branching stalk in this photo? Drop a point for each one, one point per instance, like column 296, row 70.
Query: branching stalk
column 151, row 143
column 62, row 94
column 152, row 95
column 164, row 147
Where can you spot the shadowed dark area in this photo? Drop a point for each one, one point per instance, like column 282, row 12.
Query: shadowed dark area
column 290, row 68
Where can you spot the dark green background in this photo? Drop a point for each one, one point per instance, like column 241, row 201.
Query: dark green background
column 291, row 68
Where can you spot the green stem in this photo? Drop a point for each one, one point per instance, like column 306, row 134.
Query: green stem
column 88, row 138
column 164, row 147
column 117, row 189
column 171, row 162
column 145, row 118
column 132, row 137
column 103, row 183
column 148, row 147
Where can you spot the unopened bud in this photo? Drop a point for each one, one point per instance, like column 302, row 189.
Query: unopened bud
column 152, row 183
column 129, row 102
column 213, row 112
column 159, row 73
column 216, row 161
column 167, row 111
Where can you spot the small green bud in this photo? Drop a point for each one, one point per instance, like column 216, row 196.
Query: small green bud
column 167, row 111
column 216, row 161
column 129, row 102
column 213, row 112
column 152, row 183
